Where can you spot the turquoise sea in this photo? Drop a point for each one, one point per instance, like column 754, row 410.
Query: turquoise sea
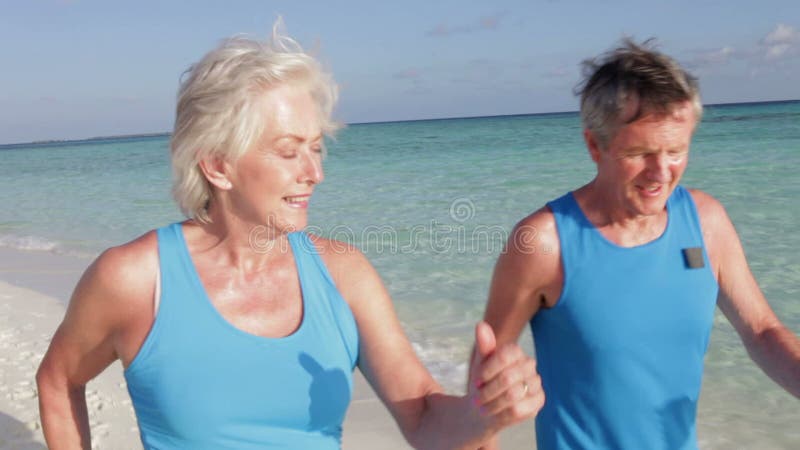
column 431, row 202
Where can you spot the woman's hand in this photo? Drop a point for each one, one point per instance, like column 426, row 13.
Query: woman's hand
column 504, row 385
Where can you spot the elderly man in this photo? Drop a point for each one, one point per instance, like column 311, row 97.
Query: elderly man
column 619, row 278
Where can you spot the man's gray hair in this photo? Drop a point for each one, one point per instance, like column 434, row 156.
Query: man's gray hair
column 628, row 82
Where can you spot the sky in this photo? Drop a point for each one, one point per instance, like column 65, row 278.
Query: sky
column 80, row 69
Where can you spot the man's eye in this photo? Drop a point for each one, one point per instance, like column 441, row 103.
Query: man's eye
column 677, row 155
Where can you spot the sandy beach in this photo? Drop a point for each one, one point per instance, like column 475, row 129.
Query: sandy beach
column 34, row 287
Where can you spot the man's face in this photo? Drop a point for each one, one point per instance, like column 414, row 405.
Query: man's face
column 645, row 159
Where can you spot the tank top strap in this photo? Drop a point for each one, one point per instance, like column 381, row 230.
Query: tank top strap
column 170, row 242
column 571, row 225
column 178, row 274
column 174, row 274
column 309, row 264
column 683, row 213
column 320, row 292
column 175, row 269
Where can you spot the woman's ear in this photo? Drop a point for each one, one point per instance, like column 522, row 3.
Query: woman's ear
column 217, row 171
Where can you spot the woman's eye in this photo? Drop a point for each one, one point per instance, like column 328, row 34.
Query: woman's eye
column 287, row 153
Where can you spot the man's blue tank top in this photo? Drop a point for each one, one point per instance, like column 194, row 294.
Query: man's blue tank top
column 198, row 382
column 621, row 352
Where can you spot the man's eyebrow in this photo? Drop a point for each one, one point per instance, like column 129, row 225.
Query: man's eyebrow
column 642, row 149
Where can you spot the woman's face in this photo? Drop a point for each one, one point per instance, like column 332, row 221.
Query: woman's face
column 272, row 182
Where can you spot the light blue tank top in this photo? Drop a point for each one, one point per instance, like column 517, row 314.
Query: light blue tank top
column 198, row 382
column 621, row 352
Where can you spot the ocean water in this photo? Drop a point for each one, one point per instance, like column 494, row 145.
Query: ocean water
column 431, row 202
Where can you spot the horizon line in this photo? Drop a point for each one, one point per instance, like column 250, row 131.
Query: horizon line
column 378, row 122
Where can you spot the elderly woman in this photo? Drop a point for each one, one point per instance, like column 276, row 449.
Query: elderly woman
column 235, row 329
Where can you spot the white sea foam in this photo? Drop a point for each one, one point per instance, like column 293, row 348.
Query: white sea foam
column 35, row 243
column 447, row 365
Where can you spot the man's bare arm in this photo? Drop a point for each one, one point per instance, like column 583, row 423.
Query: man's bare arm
column 769, row 343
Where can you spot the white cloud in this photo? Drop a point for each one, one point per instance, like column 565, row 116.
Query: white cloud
column 712, row 58
column 720, row 56
column 484, row 23
column 778, row 46
column 561, row 71
column 776, row 51
column 782, row 34
column 781, row 43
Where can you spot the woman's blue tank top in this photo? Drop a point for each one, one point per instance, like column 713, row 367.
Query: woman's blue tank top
column 198, row 382
column 621, row 352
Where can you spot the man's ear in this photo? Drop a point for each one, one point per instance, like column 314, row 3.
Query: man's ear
column 592, row 145
column 217, row 171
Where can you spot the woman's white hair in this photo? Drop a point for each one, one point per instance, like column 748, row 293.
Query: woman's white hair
column 217, row 114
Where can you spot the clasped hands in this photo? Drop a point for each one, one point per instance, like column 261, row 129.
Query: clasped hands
column 504, row 386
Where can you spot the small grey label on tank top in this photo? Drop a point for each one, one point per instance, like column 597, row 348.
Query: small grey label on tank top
column 694, row 257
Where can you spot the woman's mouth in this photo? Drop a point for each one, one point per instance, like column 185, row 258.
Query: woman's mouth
column 297, row 201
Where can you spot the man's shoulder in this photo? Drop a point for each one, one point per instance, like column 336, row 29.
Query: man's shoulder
column 709, row 209
column 529, row 266
column 717, row 228
column 703, row 199
column 543, row 219
column 534, row 236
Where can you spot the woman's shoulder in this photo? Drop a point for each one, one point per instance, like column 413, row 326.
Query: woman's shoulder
column 128, row 270
column 345, row 261
column 142, row 251
column 116, row 290
column 337, row 252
